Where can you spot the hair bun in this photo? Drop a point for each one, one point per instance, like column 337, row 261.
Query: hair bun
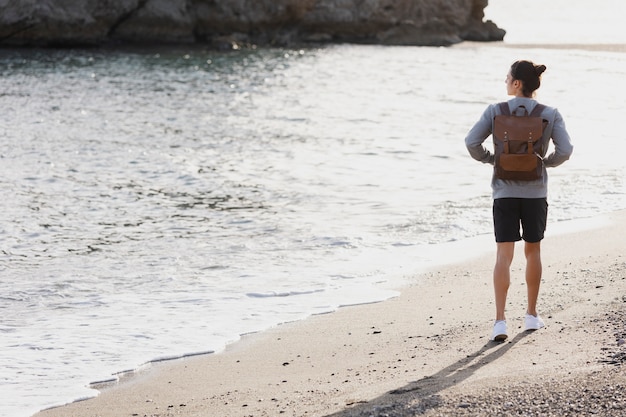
column 539, row 69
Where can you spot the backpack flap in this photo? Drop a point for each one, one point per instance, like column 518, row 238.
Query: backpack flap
column 518, row 131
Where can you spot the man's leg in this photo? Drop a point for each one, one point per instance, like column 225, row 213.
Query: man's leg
column 533, row 274
column 502, row 275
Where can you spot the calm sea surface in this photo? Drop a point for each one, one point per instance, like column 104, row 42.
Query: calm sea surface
column 161, row 203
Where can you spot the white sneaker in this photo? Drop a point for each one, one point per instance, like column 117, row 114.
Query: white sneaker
column 499, row 331
column 533, row 322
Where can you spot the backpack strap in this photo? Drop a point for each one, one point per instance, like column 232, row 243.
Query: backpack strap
column 504, row 108
column 537, row 110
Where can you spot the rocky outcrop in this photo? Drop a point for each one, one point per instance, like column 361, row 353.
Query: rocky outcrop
column 227, row 23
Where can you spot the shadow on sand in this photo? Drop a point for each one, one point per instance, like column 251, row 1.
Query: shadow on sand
column 418, row 396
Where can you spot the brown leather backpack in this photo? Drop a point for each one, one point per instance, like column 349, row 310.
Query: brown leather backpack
column 517, row 143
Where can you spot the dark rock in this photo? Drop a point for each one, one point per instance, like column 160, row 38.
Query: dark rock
column 264, row 22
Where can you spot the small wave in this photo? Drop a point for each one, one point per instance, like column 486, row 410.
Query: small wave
column 271, row 294
column 118, row 376
column 167, row 358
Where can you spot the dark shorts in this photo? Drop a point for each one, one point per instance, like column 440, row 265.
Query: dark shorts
column 510, row 213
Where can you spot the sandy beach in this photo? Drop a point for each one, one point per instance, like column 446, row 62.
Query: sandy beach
column 425, row 352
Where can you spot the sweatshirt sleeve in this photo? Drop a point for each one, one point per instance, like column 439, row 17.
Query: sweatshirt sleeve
column 477, row 135
column 563, row 147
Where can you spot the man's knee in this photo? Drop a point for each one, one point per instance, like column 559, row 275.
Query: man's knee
column 504, row 253
column 532, row 249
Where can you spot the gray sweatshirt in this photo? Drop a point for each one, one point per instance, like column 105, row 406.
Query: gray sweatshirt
column 555, row 130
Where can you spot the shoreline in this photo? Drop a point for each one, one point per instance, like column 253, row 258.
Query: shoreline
column 426, row 348
column 595, row 47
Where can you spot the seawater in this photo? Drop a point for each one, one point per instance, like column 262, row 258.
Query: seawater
column 161, row 203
